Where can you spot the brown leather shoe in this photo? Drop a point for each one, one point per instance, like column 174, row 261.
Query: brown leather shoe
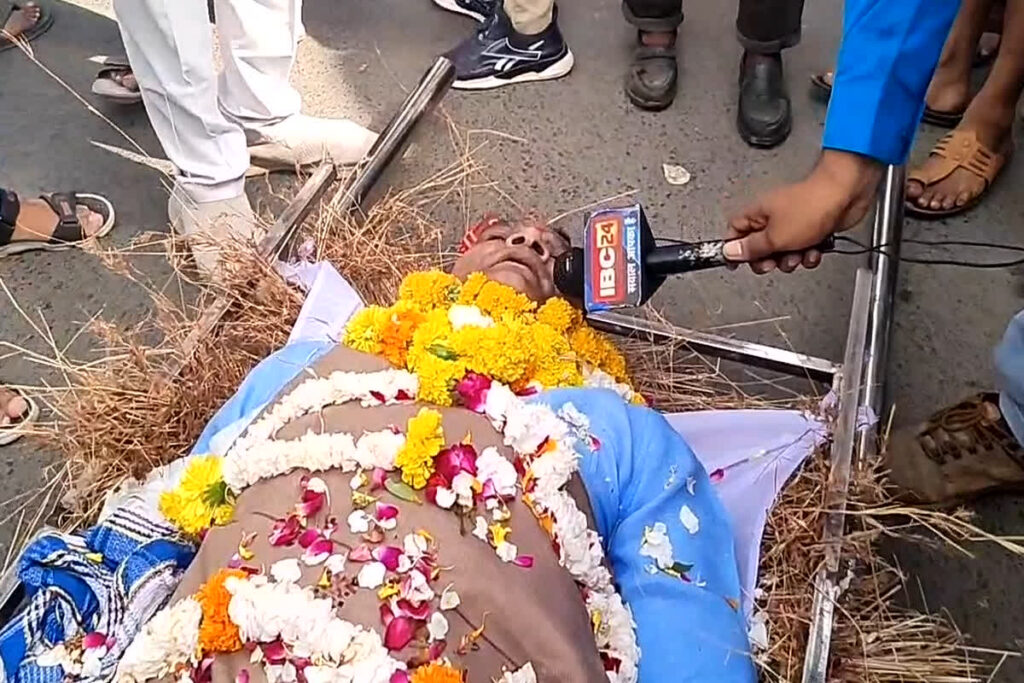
column 960, row 453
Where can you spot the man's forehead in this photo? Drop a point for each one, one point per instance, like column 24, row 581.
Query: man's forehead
column 476, row 232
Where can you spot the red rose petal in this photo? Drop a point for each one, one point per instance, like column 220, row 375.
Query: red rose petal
column 360, row 553
column 524, row 561
column 275, row 652
column 386, row 511
column 388, row 556
column 399, row 633
column 94, row 639
column 309, row 537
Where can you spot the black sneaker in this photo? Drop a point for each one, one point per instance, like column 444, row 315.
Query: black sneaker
column 481, row 10
column 497, row 55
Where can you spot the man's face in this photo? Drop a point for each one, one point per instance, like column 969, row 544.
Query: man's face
column 521, row 256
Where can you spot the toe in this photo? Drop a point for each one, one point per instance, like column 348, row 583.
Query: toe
column 90, row 220
column 16, row 407
column 963, row 198
column 915, row 189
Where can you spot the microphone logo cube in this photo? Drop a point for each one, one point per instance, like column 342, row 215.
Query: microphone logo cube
column 612, row 252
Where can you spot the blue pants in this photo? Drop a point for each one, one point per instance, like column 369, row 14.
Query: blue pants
column 1010, row 375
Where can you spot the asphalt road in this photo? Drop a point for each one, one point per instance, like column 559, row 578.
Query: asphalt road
column 579, row 141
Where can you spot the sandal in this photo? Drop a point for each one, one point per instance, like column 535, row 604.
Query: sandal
column 36, row 30
column 651, row 79
column 944, row 119
column 68, row 231
column 109, row 83
column 958, row 149
column 16, row 428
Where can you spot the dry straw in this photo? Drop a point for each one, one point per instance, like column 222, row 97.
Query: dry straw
column 120, row 416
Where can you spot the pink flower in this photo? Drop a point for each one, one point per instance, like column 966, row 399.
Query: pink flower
column 387, row 515
column 436, row 650
column 458, row 458
column 399, row 633
column 389, row 556
column 472, row 389
column 94, row 639
column 399, row 677
column 275, row 652
column 405, row 608
column 318, row 551
column 285, row 531
column 377, row 478
column 309, row 537
column 361, row 553
column 242, row 676
column 524, row 561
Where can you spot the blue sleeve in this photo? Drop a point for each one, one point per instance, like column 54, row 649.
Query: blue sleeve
column 690, row 628
column 260, row 387
column 886, row 60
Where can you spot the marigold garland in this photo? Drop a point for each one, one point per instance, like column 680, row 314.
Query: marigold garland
column 440, row 329
column 202, row 498
column 423, row 441
column 436, row 672
column 217, row 633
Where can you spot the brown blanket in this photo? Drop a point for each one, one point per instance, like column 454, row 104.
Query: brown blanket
column 532, row 615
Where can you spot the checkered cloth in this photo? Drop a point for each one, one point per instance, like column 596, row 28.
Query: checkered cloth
column 110, row 579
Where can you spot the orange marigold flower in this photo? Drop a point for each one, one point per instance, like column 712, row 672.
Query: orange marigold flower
column 436, row 672
column 217, row 633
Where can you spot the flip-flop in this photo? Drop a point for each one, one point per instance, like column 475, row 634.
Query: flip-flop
column 38, row 29
column 14, row 431
column 107, row 85
column 68, row 232
column 957, row 149
column 943, row 119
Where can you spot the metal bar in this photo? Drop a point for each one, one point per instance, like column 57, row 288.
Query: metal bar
column 757, row 355
column 424, row 97
column 430, row 90
column 827, row 581
column 886, row 235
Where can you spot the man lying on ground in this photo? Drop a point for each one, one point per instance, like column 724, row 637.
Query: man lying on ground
column 426, row 516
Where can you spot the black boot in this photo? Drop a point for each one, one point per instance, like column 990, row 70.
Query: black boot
column 651, row 79
column 765, row 116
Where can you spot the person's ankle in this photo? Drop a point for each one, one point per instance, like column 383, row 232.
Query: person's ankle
column 657, row 38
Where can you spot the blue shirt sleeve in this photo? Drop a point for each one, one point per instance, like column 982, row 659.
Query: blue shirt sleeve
column 640, row 472
column 886, row 60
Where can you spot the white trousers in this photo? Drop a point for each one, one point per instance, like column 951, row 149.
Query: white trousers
column 201, row 120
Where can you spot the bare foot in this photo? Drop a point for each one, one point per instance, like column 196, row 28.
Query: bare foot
column 994, row 130
column 37, row 221
column 21, row 20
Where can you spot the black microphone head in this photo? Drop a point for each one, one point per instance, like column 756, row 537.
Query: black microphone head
column 570, row 273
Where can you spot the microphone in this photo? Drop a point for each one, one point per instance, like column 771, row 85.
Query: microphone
column 620, row 266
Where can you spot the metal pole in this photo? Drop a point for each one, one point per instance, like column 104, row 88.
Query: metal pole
column 428, row 92
column 748, row 353
column 886, row 235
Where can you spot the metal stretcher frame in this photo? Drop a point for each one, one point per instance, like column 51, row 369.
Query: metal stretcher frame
column 859, row 380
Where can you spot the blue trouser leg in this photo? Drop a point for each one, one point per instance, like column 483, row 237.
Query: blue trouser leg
column 1010, row 373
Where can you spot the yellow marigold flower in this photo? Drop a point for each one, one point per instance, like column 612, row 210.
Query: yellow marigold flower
column 498, row 301
column 429, row 289
column 559, row 315
column 436, row 672
column 434, row 333
column 501, row 352
column 554, row 363
column 471, row 288
column 217, row 633
column 201, row 499
column 595, row 350
column 437, row 376
column 363, row 330
column 424, row 439
column 396, row 334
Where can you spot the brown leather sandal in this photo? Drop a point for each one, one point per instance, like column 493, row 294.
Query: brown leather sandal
column 957, row 149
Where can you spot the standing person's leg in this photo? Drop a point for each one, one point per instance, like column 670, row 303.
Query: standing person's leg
column 765, row 28
column 170, row 47
column 963, row 165
column 258, row 40
column 651, row 79
column 519, row 42
column 973, row 447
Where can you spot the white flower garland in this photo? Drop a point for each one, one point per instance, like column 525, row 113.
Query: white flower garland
column 311, row 451
column 169, row 640
column 339, row 650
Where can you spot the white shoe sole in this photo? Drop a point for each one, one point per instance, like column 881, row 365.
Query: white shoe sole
column 557, row 70
column 453, row 6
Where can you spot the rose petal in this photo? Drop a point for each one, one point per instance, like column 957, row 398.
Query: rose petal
column 436, row 650
column 386, row 511
column 445, row 498
column 524, row 561
column 377, row 478
column 460, row 457
column 386, row 615
column 437, row 626
column 472, row 389
column 389, row 556
column 242, row 676
column 399, row 676
column 308, row 537
column 378, row 396
column 450, row 599
column 717, row 475
column 94, row 639
column 309, row 508
column 285, row 531
column 359, row 522
column 335, row 564
column 319, row 551
column 275, row 652
column 405, row 608
column 361, row 553
column 371, row 575
column 235, row 562
column 399, row 633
